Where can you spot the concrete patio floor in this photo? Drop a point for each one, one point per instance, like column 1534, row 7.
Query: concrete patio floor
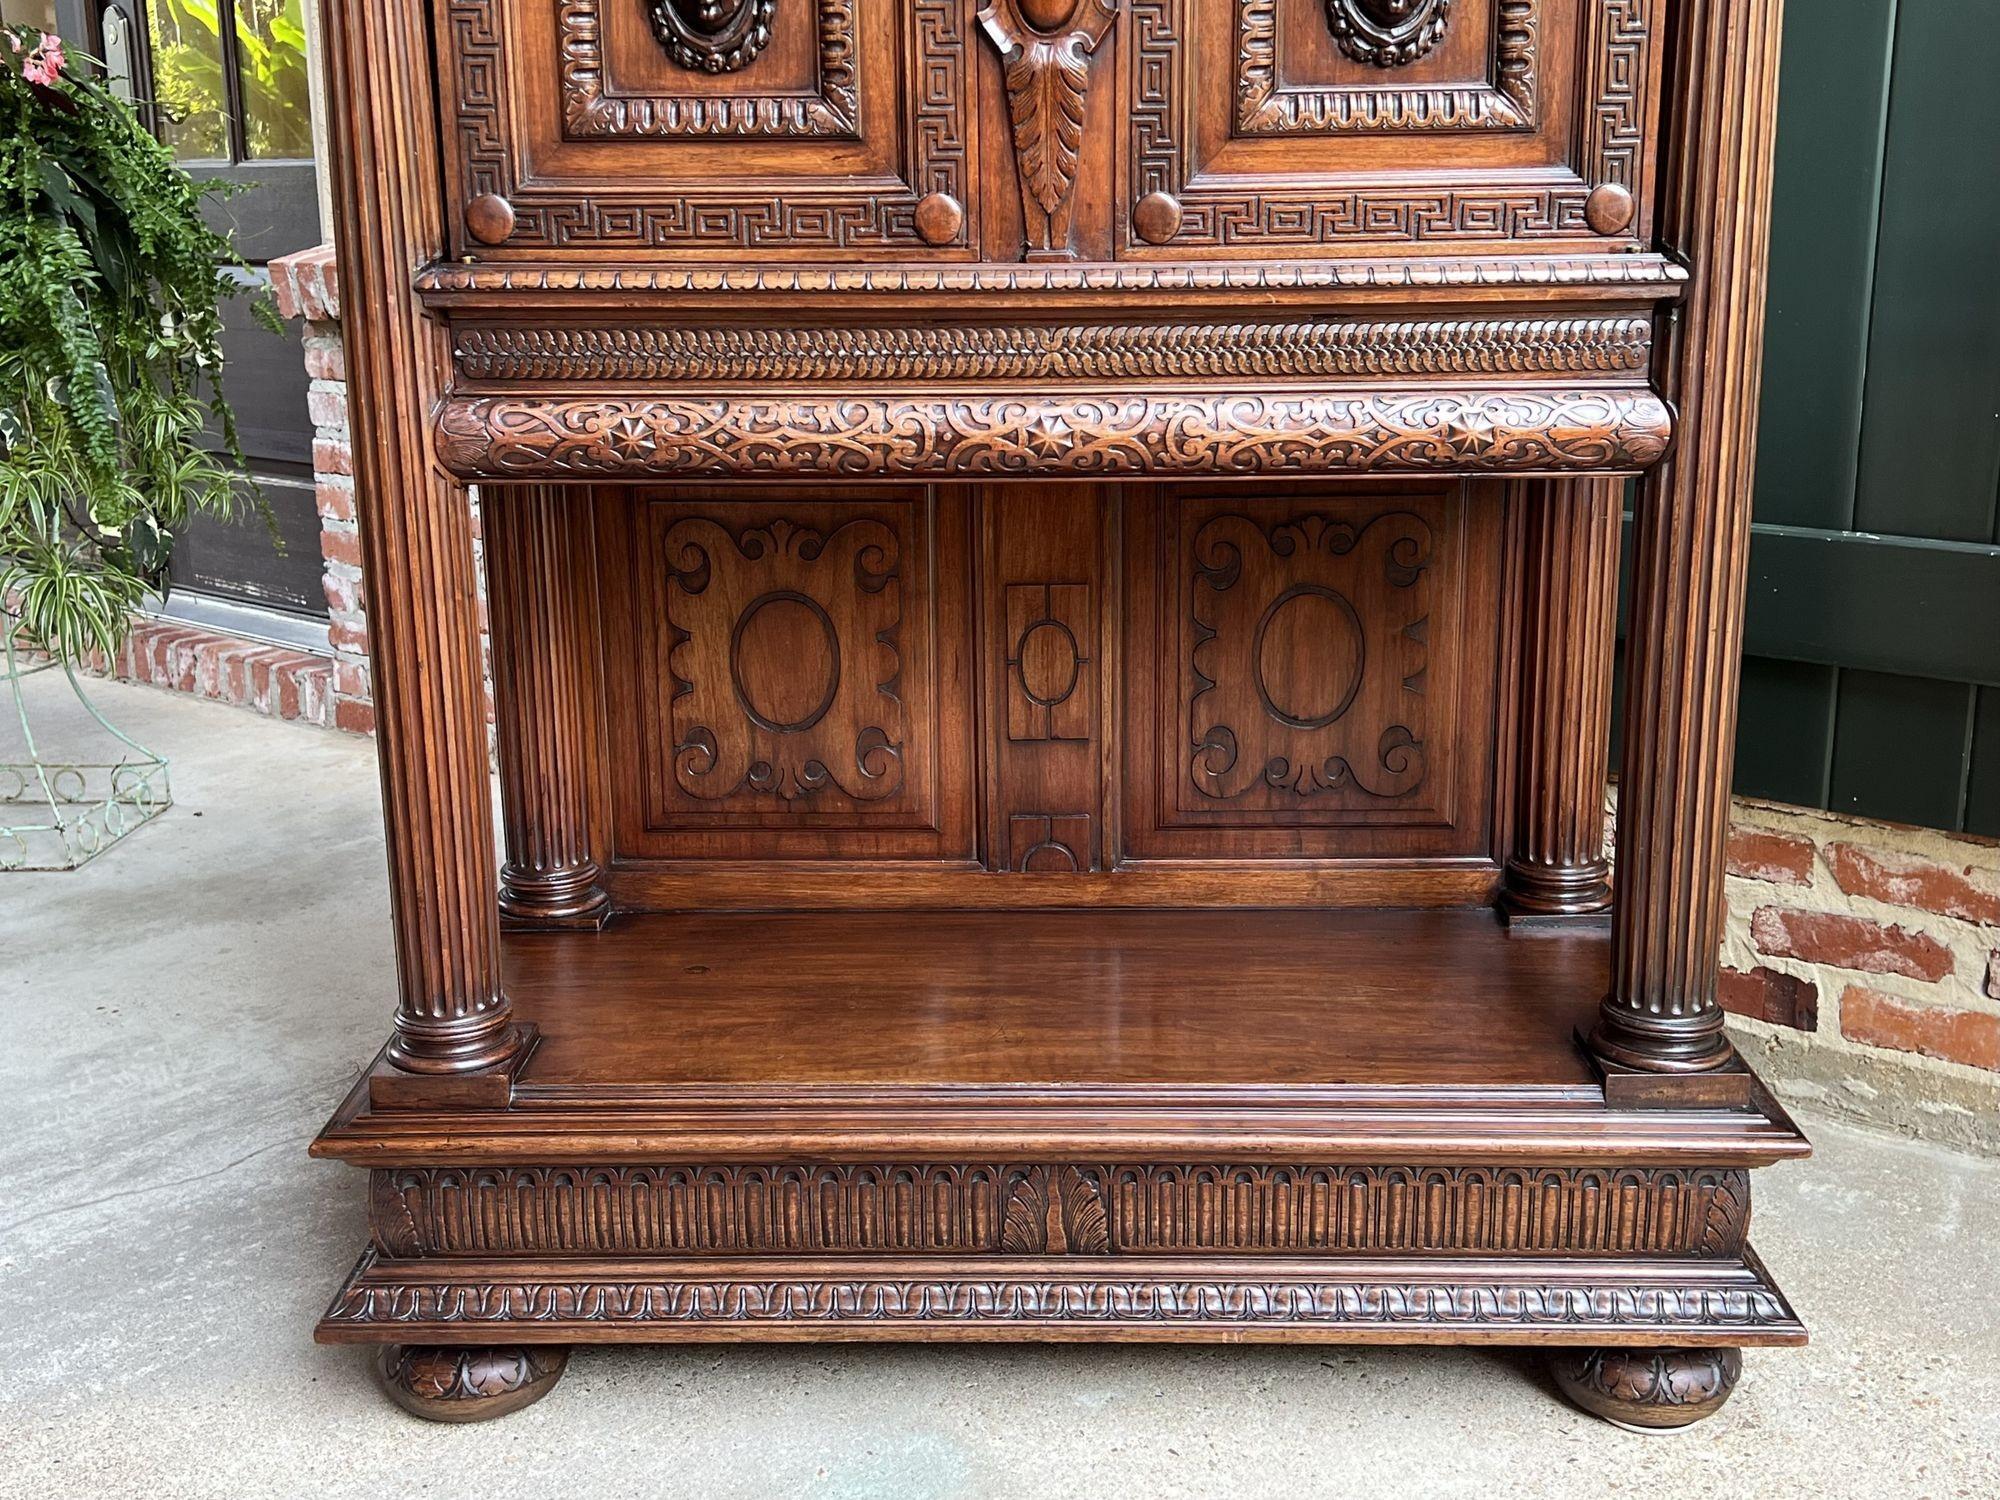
column 180, row 1017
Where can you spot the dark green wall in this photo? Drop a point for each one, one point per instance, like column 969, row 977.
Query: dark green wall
column 1872, row 678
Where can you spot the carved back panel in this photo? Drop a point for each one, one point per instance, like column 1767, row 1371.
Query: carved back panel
column 1021, row 694
column 794, row 673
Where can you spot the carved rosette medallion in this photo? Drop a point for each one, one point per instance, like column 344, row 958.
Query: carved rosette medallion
column 1388, row 33
column 1045, row 47
column 1292, row 624
column 785, row 664
column 712, row 36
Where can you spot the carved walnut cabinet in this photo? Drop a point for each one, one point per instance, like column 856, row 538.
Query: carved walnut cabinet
column 1052, row 569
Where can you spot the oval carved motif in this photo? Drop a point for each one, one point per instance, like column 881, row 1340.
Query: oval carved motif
column 1049, row 662
column 784, row 659
column 712, row 36
column 1308, row 656
column 1388, row 33
column 1048, row 15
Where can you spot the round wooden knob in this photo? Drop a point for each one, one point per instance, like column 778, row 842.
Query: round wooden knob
column 1156, row 218
column 489, row 218
column 1609, row 207
column 939, row 218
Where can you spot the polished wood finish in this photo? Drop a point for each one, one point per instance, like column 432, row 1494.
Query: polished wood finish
column 459, row 1384
column 1649, row 1390
column 1567, row 549
column 1684, row 643
column 538, row 563
column 1051, row 565
column 416, row 540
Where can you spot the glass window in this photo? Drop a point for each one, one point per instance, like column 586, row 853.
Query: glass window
column 188, row 80
column 271, row 69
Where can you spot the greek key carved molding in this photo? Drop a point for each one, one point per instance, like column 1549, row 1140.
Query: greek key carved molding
column 554, row 437
column 1082, row 1209
column 1508, row 100
column 592, row 113
column 712, row 36
column 1227, row 212
column 1046, row 56
column 677, row 215
column 1388, row 33
column 1398, row 274
column 376, row 1297
column 1525, row 346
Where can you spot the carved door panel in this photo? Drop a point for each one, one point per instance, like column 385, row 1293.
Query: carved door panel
column 1270, row 127
column 802, row 128
column 1320, row 675
column 788, row 674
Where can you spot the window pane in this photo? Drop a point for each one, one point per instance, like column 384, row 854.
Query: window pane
column 187, row 78
column 29, row 15
column 271, row 49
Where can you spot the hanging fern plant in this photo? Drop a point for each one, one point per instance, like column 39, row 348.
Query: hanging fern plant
column 113, row 430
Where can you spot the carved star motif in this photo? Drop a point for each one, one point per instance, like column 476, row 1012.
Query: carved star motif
column 628, row 437
column 1471, row 431
column 1049, row 435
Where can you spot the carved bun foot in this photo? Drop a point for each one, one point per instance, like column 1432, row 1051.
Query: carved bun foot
column 471, row 1384
column 1648, row 1390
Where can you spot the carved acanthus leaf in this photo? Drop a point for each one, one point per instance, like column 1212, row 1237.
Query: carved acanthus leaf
column 1048, row 81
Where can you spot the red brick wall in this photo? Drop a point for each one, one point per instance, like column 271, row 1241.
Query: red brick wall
column 307, row 286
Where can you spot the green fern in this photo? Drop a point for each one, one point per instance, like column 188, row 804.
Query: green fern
column 111, row 408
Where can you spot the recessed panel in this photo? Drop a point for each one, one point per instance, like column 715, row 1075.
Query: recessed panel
column 1321, row 676
column 1275, row 126
column 798, row 128
column 779, row 675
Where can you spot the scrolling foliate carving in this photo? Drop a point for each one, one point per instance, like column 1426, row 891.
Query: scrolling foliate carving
column 785, row 664
column 1197, row 432
column 712, row 36
column 1046, row 56
column 1388, row 33
column 1309, row 655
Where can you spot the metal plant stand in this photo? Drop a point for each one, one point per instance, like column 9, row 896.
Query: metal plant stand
column 61, row 813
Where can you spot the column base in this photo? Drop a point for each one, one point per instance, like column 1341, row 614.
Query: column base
column 569, row 898
column 1559, row 893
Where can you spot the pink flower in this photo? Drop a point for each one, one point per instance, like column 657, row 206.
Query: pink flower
column 44, row 65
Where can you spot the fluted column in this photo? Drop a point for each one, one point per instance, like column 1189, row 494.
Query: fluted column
column 541, row 708
column 1568, row 550
column 1685, row 639
column 416, row 542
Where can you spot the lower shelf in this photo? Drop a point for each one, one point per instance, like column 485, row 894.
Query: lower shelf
column 1402, row 1300
column 1336, row 1126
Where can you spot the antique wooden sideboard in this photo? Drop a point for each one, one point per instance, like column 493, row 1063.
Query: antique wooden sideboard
column 1051, row 569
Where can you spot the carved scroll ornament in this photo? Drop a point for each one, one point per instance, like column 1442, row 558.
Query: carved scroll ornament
column 1045, row 47
column 1388, row 33
column 1525, row 430
column 712, row 36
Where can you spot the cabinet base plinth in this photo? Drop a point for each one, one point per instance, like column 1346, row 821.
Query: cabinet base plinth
column 1398, row 1300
